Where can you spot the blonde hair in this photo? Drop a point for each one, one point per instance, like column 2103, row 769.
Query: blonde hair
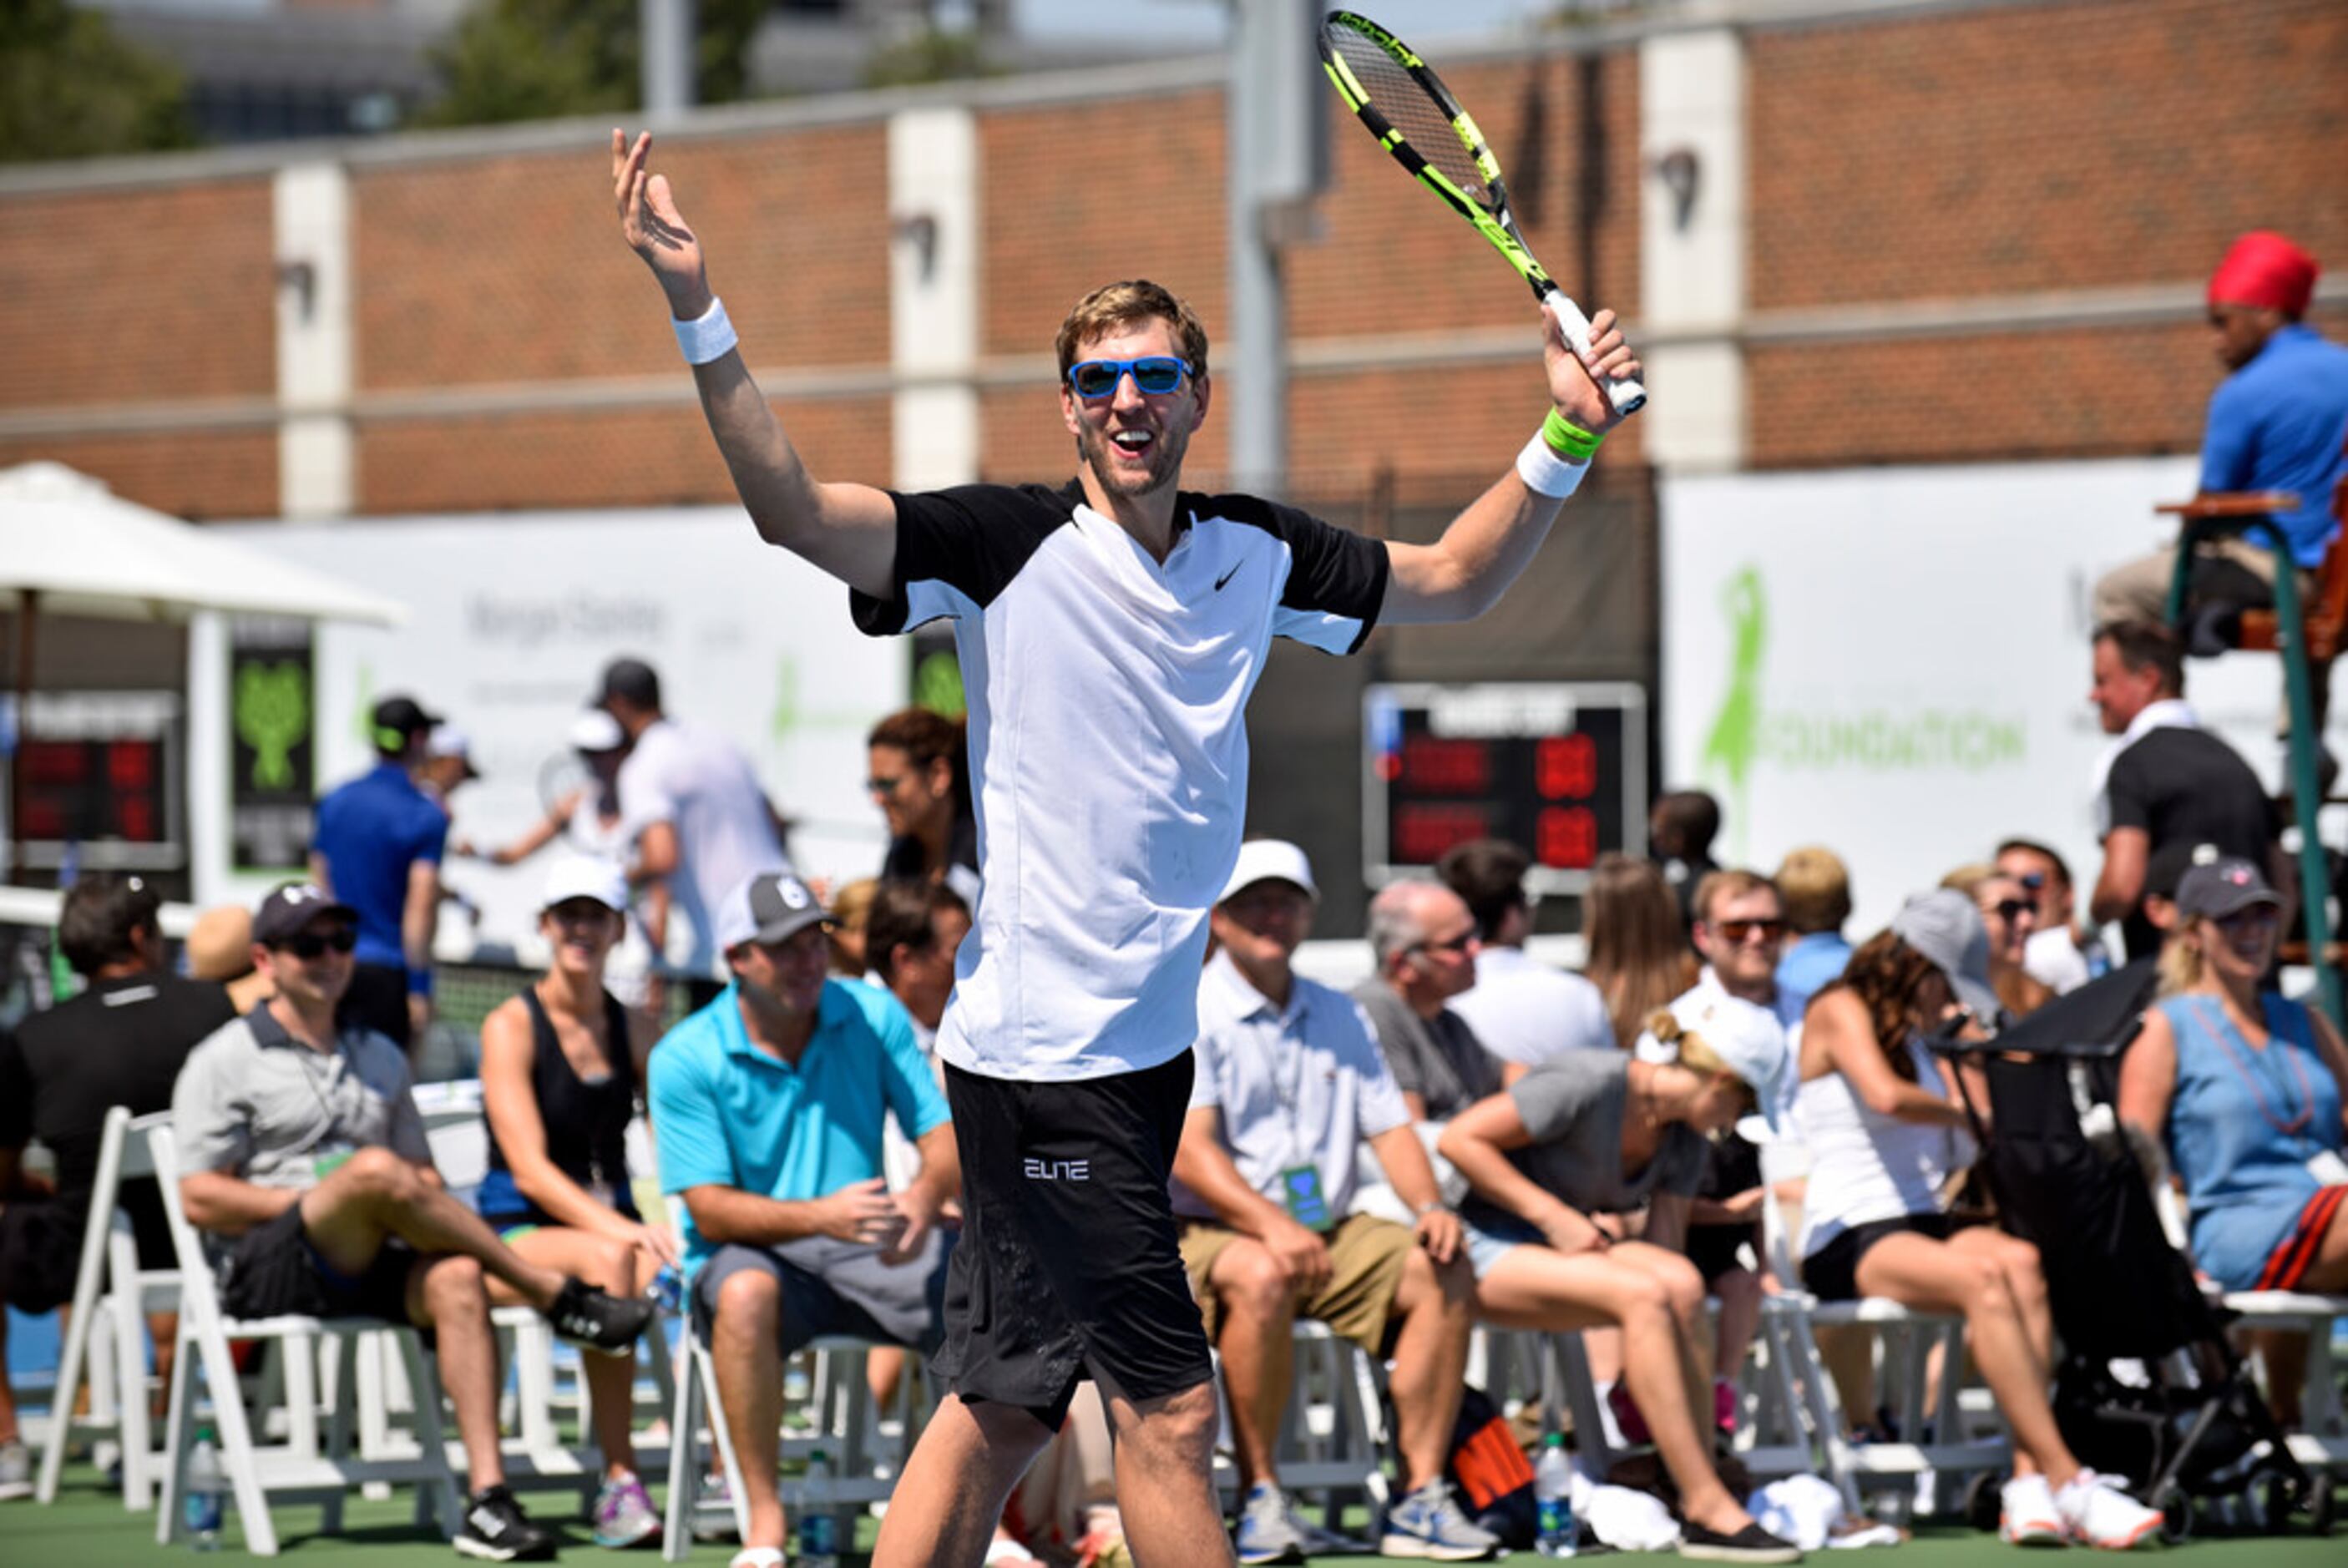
column 1695, row 1052
column 1129, row 304
column 1814, row 885
column 2182, row 962
column 1967, row 878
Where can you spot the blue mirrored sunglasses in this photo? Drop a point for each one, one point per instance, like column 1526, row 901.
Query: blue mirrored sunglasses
column 1156, row 374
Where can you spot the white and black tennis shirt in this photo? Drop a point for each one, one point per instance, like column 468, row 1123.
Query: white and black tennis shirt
column 1108, row 749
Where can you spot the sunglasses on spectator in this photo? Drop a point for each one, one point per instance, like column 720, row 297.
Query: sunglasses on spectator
column 879, row 786
column 2014, row 908
column 2034, row 880
column 1156, row 374
column 1739, row 931
column 312, row 944
column 1459, row 943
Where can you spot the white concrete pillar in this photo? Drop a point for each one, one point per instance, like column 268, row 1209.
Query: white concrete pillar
column 317, row 451
column 1692, row 245
column 933, row 295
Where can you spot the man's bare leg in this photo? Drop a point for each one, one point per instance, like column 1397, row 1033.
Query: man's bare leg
column 1164, row 1485
column 955, row 1484
column 446, row 1295
column 1430, row 1360
column 1257, row 1338
column 746, row 1352
column 376, row 1194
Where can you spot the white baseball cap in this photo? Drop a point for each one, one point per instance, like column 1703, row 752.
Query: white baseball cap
column 586, row 876
column 595, row 731
column 1748, row 1040
column 1270, row 860
column 448, row 740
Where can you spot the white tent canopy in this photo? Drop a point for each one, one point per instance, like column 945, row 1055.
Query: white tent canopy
column 85, row 551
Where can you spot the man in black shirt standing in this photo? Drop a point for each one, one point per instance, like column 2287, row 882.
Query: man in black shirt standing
column 120, row 1042
column 2168, row 780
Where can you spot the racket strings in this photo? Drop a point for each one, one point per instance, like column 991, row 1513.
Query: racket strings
column 1409, row 108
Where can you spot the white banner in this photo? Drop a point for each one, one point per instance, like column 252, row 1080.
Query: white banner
column 1894, row 663
column 512, row 619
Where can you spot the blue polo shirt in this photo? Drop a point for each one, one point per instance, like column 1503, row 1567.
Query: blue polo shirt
column 727, row 1114
column 1810, row 964
column 2278, row 424
column 370, row 831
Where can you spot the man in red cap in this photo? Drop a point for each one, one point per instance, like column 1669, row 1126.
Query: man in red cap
column 2278, row 422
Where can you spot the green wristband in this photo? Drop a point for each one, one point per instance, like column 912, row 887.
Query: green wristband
column 1568, row 440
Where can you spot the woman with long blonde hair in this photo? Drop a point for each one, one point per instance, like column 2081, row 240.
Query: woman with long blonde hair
column 1638, row 950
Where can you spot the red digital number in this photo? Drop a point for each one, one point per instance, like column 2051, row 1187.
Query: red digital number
column 1565, row 767
column 1567, row 836
column 130, row 763
column 136, row 816
column 1446, row 766
column 1423, row 831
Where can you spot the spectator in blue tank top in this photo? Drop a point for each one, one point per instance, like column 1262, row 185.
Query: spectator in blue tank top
column 376, row 847
column 561, row 1070
column 2242, row 1090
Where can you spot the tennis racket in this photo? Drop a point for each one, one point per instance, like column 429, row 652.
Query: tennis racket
column 1404, row 104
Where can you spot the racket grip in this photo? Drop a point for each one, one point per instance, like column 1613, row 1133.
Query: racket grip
column 1623, row 391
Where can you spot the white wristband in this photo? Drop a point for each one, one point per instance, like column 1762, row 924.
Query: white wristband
column 1545, row 473
column 707, row 337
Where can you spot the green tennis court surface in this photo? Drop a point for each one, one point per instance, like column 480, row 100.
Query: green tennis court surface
column 86, row 1528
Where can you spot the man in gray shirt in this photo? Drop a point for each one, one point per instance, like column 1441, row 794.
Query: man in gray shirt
column 1426, row 944
column 302, row 1157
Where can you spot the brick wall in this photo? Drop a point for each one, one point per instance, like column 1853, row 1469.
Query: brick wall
column 161, row 292
column 210, row 474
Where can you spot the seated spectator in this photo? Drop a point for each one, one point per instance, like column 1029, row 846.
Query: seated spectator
column 2165, row 779
column 121, row 1042
column 1602, row 1133
column 304, row 1159
column 850, row 906
column 1740, row 931
column 2009, row 914
column 768, row 1106
column 1681, row 826
column 2059, row 955
column 559, row 1075
column 1637, row 947
column 219, row 949
column 1424, row 942
column 1886, row 1134
column 917, row 779
column 1522, row 1011
column 1289, row 1083
column 2243, row 1090
column 1814, row 885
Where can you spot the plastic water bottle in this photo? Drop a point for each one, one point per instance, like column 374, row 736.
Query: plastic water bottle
column 668, row 1289
column 199, row 1508
column 1553, row 1498
column 819, row 1530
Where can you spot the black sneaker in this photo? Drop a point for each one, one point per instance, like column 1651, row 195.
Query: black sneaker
column 587, row 1317
column 496, row 1530
column 1750, row 1544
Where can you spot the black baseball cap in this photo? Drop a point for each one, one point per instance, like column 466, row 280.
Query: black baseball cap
column 769, row 908
column 398, row 720
column 632, row 681
column 290, row 908
column 2224, row 887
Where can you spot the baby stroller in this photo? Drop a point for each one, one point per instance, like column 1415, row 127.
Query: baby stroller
column 2148, row 1388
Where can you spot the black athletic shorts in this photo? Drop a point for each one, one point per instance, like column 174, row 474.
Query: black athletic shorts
column 1831, row 1274
column 272, row 1270
column 1068, row 1265
column 40, row 1253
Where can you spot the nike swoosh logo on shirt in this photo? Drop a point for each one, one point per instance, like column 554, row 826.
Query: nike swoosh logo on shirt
column 1226, row 577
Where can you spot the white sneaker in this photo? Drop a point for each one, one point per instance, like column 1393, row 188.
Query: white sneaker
column 2099, row 1515
column 2028, row 1516
column 15, row 1471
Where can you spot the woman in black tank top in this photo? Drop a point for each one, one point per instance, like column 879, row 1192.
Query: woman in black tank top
column 559, row 1086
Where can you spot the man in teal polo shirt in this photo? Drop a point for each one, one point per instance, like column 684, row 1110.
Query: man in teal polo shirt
column 766, row 1109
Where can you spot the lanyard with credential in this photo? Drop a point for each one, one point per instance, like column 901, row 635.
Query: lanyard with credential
column 1299, row 1180
column 2219, row 1027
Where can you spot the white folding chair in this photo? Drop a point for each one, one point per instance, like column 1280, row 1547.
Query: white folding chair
column 299, row 1470
column 105, row 1337
column 1905, row 1339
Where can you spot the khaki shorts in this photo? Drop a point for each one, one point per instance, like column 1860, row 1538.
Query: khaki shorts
column 1366, row 1255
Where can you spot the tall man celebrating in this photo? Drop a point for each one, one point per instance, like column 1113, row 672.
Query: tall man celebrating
column 1110, row 634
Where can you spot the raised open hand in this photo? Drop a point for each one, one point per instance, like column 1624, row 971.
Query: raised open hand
column 654, row 229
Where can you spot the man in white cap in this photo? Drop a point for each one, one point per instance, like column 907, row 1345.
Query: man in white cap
column 1290, row 1083
column 768, row 1106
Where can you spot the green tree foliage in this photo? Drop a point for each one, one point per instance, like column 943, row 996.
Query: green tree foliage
column 545, row 60
column 70, row 88
column 932, row 55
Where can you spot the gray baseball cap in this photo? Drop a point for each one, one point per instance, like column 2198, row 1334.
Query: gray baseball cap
column 2223, row 888
column 1944, row 926
column 770, row 907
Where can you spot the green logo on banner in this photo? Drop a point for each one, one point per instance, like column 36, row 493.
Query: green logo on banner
column 1735, row 738
column 272, row 715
